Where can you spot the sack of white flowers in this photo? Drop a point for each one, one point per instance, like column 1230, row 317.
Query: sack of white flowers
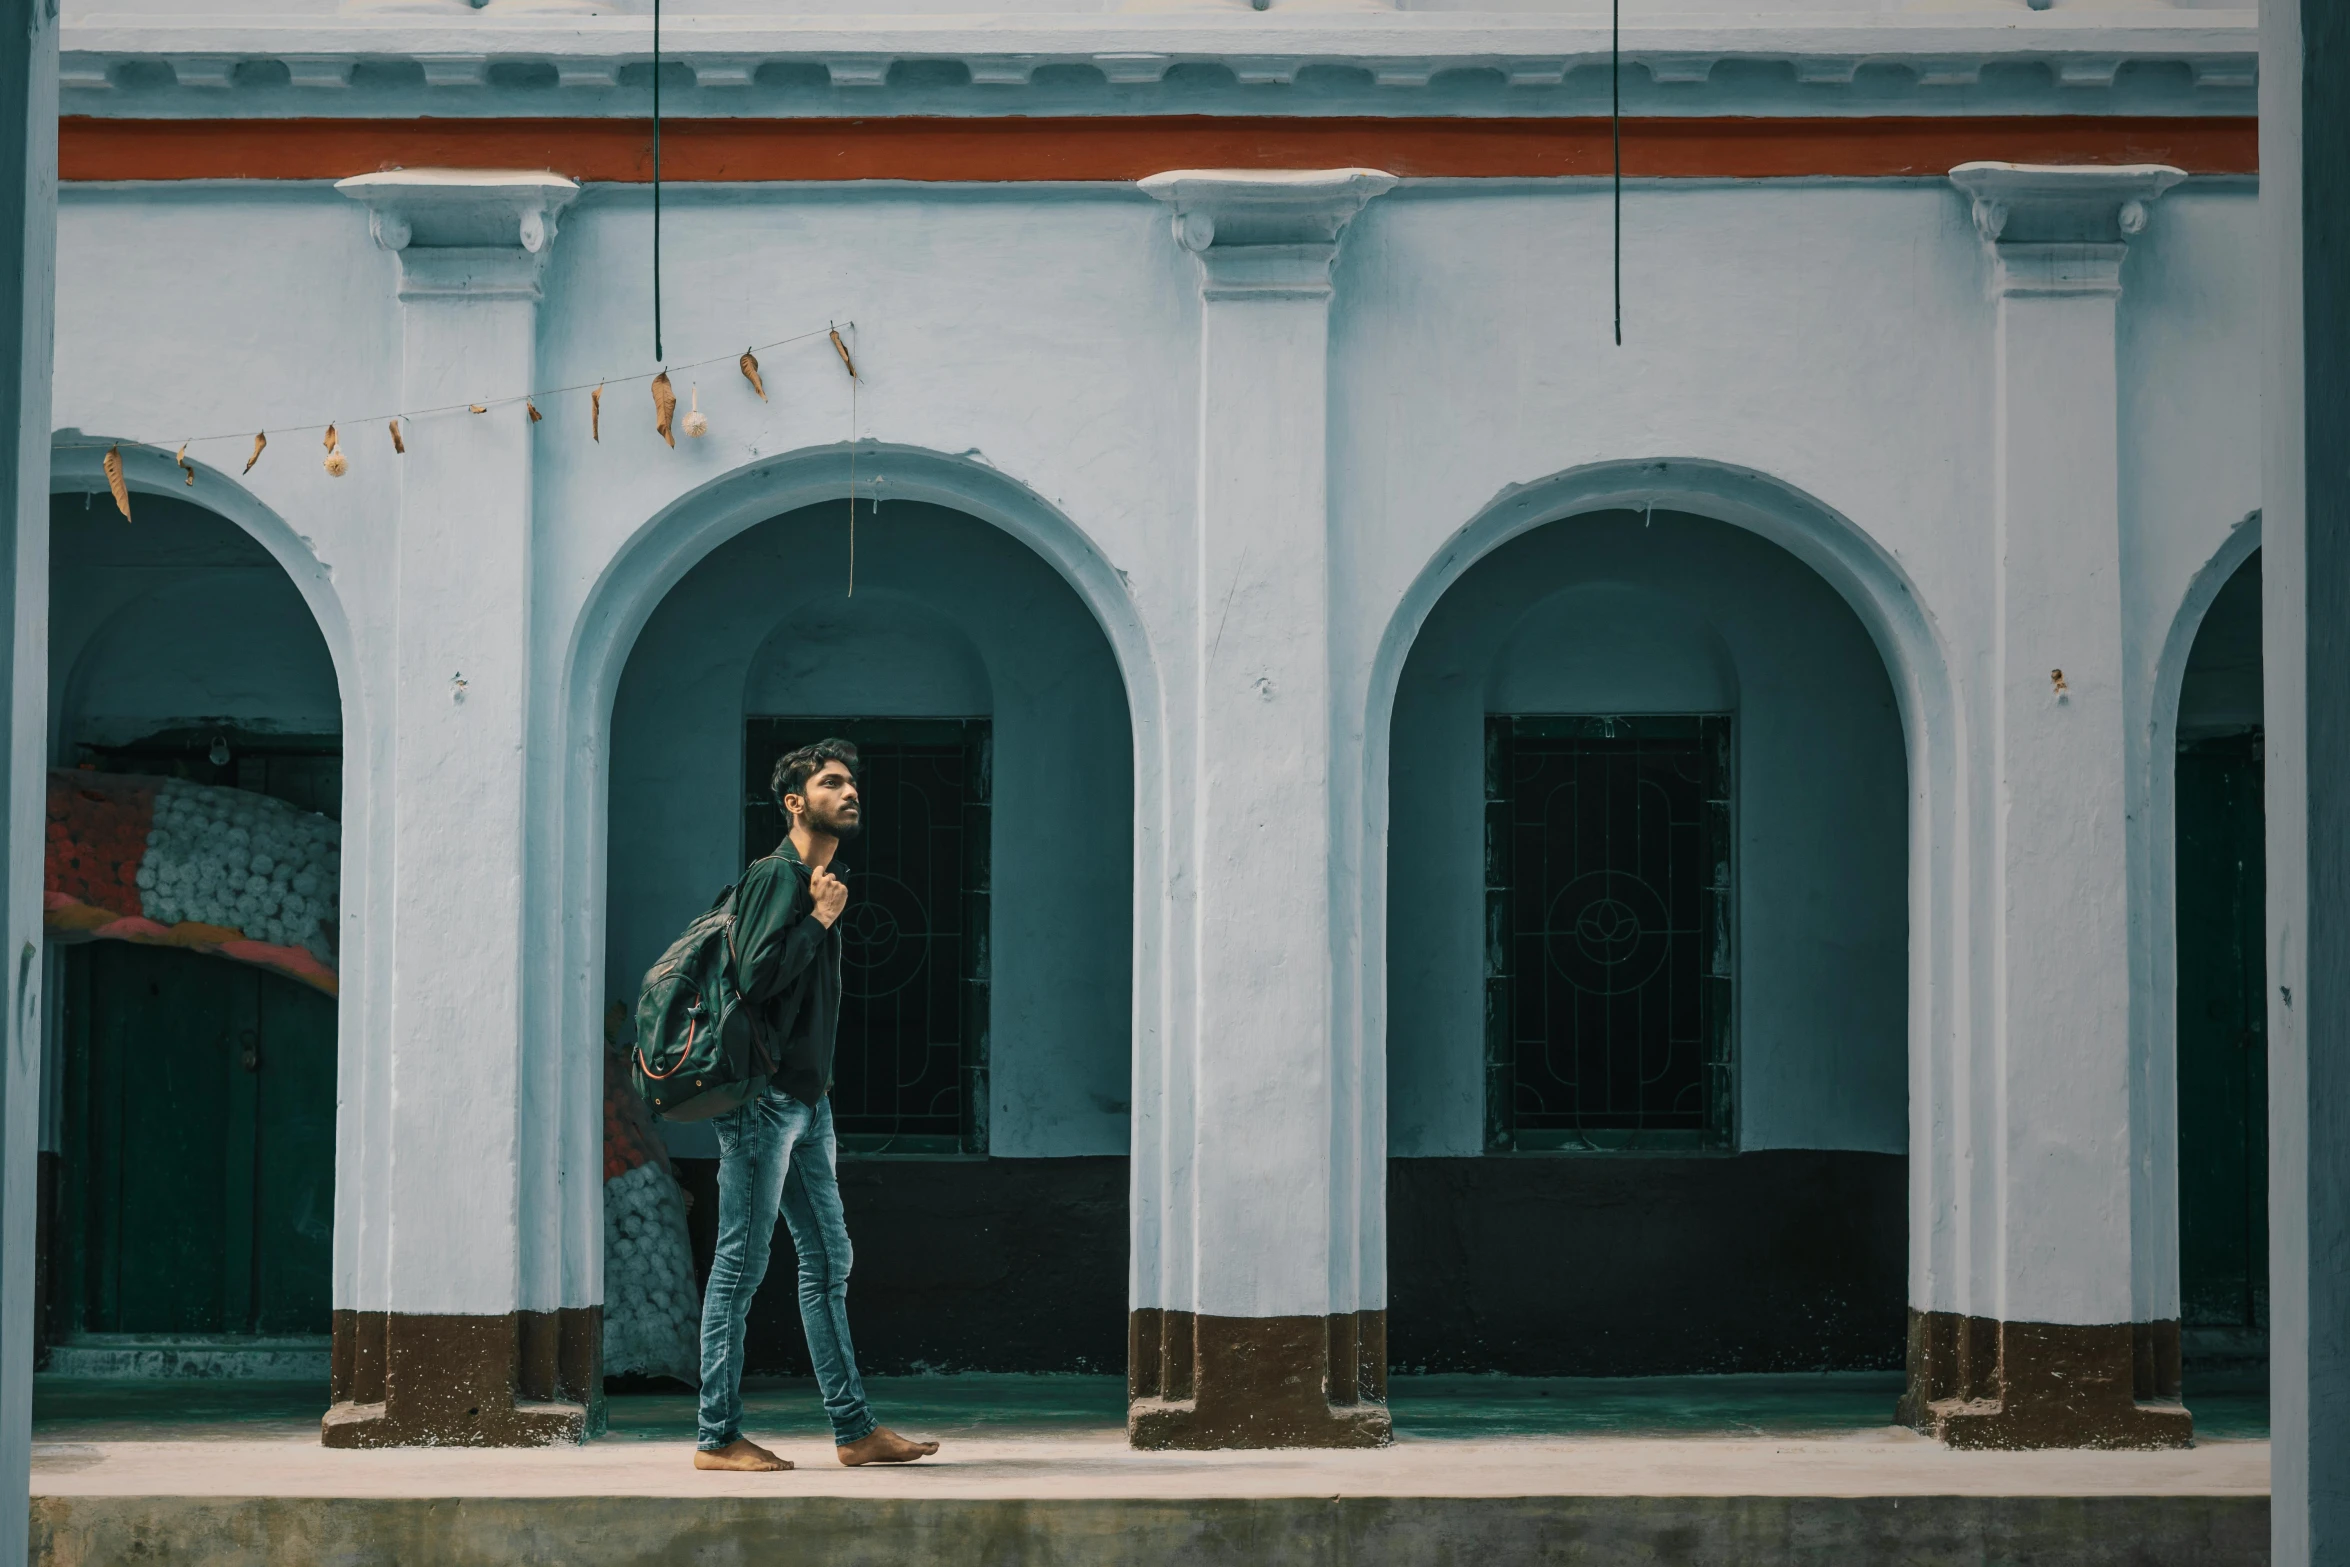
column 652, row 1307
column 170, row 863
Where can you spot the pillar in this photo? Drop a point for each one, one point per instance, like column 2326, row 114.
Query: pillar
column 28, row 270
column 436, row 1342
column 2035, row 1339
column 2305, row 627
column 1247, row 1329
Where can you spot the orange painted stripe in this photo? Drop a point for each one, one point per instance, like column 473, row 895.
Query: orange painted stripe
column 994, row 149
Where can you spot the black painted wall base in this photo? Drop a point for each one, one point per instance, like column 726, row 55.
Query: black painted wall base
column 961, row 1265
column 1628, row 1265
column 1530, row 1265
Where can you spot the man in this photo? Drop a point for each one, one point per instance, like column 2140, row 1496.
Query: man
column 776, row 1150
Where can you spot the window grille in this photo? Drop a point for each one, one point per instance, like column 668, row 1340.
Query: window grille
column 1609, row 947
column 910, row 1070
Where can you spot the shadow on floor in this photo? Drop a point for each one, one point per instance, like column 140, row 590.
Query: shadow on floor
column 999, row 1404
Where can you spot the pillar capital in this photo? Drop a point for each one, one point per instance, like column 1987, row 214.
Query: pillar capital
column 481, row 233
column 1265, row 233
column 2061, row 228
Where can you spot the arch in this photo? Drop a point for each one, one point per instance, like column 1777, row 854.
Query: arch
column 2154, row 949
column 1933, row 722
column 77, row 466
column 567, row 867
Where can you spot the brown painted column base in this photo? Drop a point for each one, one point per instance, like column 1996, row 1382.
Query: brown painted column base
column 1974, row 1382
column 1214, row 1382
column 524, row 1379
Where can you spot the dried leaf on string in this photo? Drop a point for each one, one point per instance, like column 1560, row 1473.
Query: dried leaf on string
column 399, row 446
column 122, row 492
column 535, row 415
column 842, row 349
column 750, row 365
column 182, row 460
column 336, row 463
column 479, row 408
column 260, row 440
column 332, row 440
column 664, row 406
column 596, row 414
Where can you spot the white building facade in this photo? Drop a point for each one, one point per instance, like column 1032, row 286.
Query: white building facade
column 1240, row 441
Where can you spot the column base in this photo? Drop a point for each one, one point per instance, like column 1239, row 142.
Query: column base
column 1979, row 1383
column 1198, row 1382
column 524, row 1379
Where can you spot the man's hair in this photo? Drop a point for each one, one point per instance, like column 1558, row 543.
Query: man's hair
column 797, row 767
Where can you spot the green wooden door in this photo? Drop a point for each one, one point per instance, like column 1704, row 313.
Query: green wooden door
column 2223, row 1037
column 197, row 1184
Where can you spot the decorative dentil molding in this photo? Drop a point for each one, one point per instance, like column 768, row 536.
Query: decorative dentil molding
column 483, row 233
column 1265, row 234
column 2060, row 228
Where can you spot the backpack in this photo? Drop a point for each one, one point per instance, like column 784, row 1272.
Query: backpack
column 695, row 1056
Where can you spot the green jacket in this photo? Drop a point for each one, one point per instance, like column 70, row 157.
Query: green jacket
column 788, row 967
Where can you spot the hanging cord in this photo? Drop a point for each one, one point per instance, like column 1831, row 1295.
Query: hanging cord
column 657, row 354
column 1615, row 116
column 852, row 593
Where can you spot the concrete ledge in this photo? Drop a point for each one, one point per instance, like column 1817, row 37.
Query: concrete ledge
column 848, row 1531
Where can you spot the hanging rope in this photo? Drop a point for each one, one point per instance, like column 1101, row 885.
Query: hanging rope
column 1615, row 116
column 657, row 354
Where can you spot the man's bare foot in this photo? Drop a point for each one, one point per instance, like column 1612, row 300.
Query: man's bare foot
column 883, row 1446
column 741, row 1453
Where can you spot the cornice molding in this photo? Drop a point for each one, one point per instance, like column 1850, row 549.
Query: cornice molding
column 455, row 52
column 1265, row 234
column 478, row 233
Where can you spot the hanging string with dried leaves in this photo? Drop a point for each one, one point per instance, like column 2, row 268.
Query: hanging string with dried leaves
column 114, row 482
column 747, row 362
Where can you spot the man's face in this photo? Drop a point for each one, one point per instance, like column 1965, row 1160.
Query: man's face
column 829, row 803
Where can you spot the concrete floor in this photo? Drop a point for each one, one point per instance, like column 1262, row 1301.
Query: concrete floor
column 1698, row 1472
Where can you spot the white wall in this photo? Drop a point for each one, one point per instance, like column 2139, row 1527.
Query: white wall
column 951, row 618
column 1669, row 614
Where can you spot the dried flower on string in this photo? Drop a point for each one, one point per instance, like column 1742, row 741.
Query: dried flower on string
column 596, row 414
column 664, row 406
column 122, row 492
column 479, row 408
column 182, row 460
column 336, row 463
column 842, row 349
column 695, row 425
column 398, row 446
column 535, row 415
column 750, row 367
column 259, row 441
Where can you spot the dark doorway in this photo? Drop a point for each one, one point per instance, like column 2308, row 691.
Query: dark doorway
column 910, row 1075
column 2223, row 1037
column 199, row 1127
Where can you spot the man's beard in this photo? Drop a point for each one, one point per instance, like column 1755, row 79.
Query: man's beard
column 835, row 827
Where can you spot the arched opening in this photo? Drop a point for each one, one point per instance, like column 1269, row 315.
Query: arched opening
column 1649, row 963
column 2221, row 1005
column 982, row 1084
column 189, row 1123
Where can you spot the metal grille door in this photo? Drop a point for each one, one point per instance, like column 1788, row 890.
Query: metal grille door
column 1608, row 950
column 910, row 1072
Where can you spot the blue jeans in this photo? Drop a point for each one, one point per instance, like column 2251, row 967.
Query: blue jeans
column 776, row 1153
